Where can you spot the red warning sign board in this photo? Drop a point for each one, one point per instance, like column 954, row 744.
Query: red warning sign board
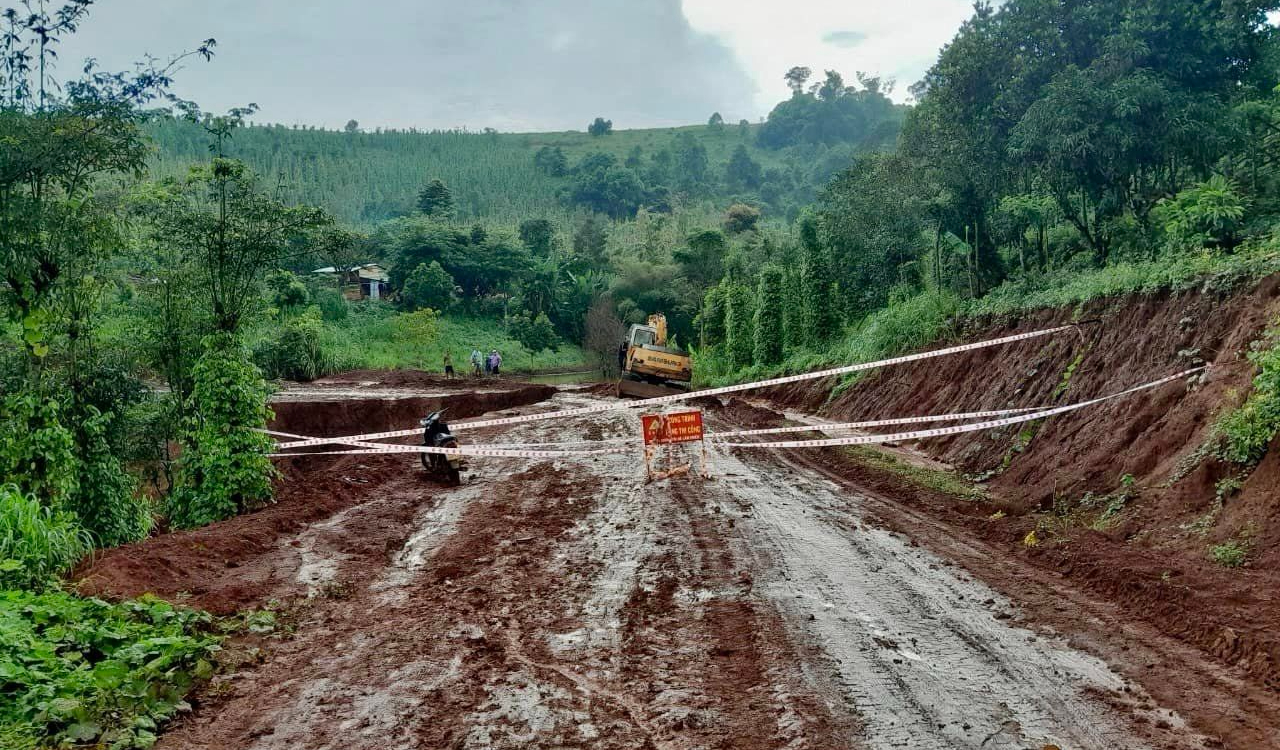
column 680, row 427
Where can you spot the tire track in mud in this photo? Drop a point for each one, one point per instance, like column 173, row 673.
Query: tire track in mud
column 503, row 619
column 924, row 653
column 571, row 605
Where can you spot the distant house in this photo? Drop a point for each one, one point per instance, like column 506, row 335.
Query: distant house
column 366, row 281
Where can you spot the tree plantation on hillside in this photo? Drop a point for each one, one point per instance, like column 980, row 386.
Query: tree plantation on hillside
column 159, row 263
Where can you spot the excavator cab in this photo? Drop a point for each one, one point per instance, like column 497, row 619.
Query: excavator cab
column 649, row 366
column 643, row 336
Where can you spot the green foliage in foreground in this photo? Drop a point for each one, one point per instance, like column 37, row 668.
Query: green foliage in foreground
column 1245, row 432
column 36, row 542
column 81, row 672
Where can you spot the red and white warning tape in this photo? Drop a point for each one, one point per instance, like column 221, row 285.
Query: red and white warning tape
column 976, row 426
column 495, row 451
column 467, row 450
column 824, row 426
column 673, row 398
column 1022, row 415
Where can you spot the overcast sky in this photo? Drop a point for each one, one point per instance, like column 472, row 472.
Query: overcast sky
column 515, row 65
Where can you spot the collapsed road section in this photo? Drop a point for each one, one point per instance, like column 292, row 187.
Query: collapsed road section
column 570, row 604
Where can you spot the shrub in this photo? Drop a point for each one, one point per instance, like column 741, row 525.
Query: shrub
column 1245, row 432
column 224, row 468
column 428, row 286
column 741, row 218
column 1207, row 214
column 85, row 673
column 333, row 306
column 297, row 351
column 288, row 293
column 534, row 334
column 37, row 543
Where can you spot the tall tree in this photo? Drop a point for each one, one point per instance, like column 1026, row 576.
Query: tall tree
column 817, row 280
column 539, row 235
column 233, row 231
column 742, row 172
column 768, row 321
column 739, row 317
column 590, row 240
column 436, row 200
column 600, row 126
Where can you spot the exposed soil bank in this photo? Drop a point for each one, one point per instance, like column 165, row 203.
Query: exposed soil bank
column 243, row 562
column 319, row 413
column 1150, row 555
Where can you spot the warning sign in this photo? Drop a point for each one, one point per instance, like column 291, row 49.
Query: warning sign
column 680, row 427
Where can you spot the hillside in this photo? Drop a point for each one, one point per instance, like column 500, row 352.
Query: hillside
column 366, row 177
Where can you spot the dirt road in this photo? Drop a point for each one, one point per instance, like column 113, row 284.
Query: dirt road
column 571, row 605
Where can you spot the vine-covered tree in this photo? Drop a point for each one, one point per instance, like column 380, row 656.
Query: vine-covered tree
column 768, row 321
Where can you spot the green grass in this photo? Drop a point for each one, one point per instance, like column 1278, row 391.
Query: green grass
column 1174, row 272
column 369, row 339
column 86, row 673
column 938, row 480
column 36, row 542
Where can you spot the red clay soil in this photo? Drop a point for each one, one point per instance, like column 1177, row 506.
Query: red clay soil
column 240, row 563
column 1151, row 560
column 455, row 661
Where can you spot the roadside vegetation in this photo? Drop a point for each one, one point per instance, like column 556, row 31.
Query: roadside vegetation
column 159, row 263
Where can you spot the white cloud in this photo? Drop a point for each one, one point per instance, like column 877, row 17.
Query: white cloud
column 892, row 39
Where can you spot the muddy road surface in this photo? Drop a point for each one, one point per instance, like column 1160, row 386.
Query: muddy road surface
column 570, row 604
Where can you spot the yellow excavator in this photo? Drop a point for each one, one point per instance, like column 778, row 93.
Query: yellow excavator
column 649, row 366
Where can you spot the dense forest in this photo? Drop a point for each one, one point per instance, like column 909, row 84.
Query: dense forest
column 364, row 178
column 158, row 260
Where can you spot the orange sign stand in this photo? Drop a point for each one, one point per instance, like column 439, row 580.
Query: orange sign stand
column 670, row 429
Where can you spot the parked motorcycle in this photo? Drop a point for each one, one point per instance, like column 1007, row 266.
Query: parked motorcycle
column 435, row 433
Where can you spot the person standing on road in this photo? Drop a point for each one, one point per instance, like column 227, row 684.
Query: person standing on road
column 448, row 364
column 476, row 356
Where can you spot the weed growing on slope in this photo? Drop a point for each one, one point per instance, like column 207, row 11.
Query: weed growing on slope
column 1245, row 432
column 1230, row 554
column 932, row 479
